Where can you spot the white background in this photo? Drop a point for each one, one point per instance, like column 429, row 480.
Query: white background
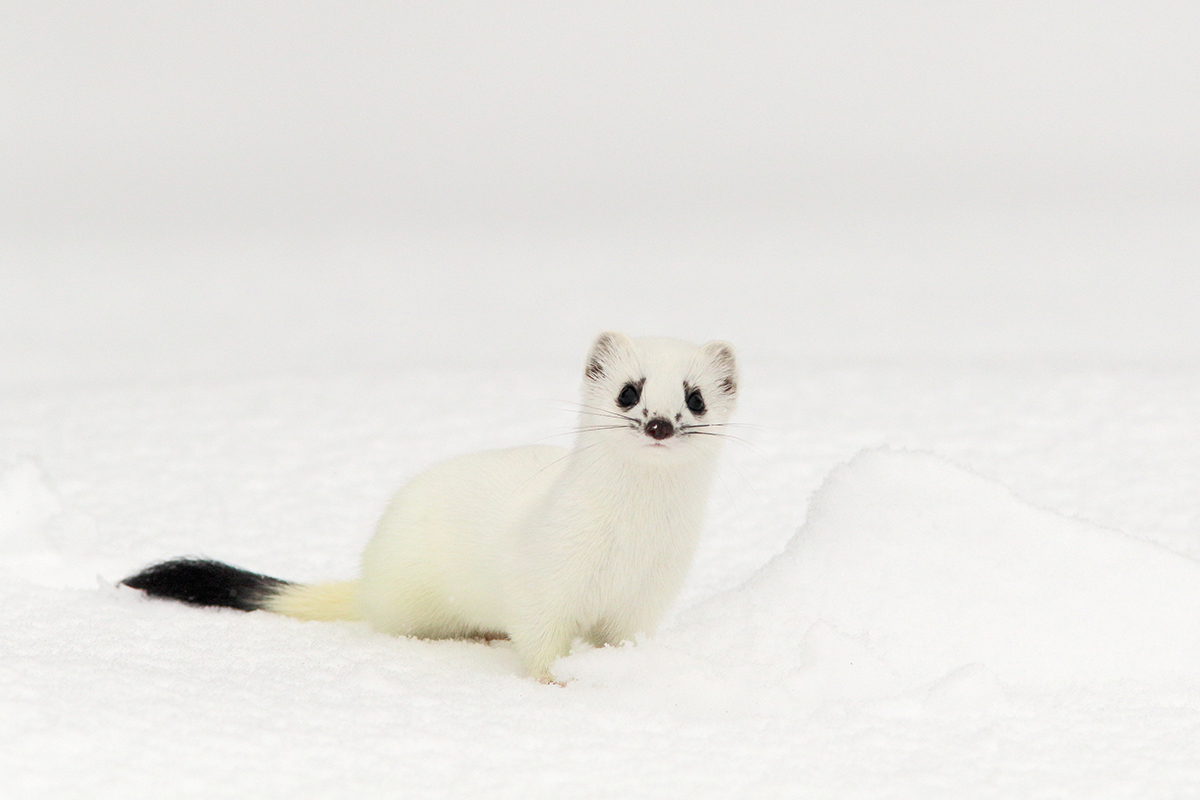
column 229, row 188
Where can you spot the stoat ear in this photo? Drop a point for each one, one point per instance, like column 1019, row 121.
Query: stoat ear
column 603, row 351
column 720, row 358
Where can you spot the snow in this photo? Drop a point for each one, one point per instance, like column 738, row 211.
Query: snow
column 260, row 265
column 869, row 623
column 923, row 569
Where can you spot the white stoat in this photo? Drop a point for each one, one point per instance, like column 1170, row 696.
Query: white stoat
column 539, row 544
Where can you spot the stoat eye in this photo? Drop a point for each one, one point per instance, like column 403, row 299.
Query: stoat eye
column 629, row 396
column 695, row 402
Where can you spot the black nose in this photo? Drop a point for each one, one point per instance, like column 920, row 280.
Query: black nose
column 659, row 428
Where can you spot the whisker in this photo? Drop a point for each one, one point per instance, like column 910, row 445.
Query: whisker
column 605, row 411
column 586, row 429
column 746, row 425
column 583, row 428
column 731, row 437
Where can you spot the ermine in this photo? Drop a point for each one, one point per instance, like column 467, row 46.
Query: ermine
column 538, row 544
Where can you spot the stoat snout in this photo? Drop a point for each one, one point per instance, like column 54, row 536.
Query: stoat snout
column 659, row 428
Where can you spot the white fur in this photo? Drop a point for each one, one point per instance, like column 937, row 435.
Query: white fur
column 546, row 545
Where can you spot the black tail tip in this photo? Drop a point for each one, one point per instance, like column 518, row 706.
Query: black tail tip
column 202, row 582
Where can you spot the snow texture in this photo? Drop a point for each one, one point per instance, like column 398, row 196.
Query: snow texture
column 924, row 632
column 923, row 569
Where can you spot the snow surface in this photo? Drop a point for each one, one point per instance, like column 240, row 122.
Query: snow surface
column 924, row 633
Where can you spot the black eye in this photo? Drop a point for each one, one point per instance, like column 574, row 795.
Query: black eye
column 695, row 402
column 629, row 396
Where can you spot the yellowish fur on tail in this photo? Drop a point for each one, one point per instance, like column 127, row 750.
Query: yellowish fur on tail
column 324, row 602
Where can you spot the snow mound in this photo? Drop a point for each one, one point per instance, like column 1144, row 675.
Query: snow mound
column 910, row 570
column 43, row 541
column 28, row 504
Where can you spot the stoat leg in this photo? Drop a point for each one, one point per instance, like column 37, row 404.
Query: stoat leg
column 540, row 646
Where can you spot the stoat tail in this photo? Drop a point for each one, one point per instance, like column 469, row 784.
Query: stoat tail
column 201, row 582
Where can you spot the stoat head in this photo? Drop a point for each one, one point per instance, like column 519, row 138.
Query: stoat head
column 658, row 395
